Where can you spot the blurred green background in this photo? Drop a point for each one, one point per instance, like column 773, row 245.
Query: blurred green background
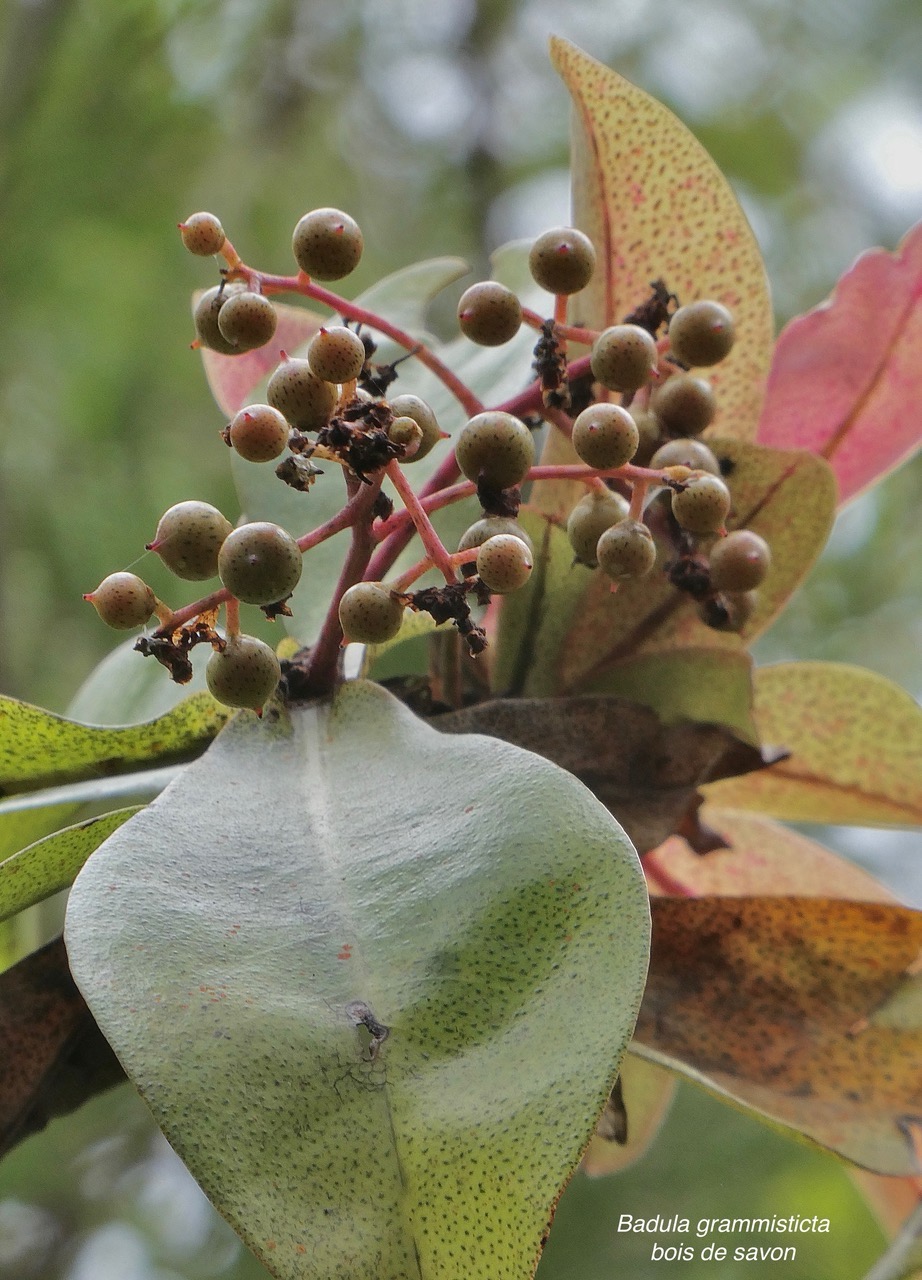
column 440, row 126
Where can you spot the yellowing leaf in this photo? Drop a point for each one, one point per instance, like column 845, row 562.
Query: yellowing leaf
column 855, row 741
column 802, row 1009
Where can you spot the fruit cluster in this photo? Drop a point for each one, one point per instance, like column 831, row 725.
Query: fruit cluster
column 654, row 489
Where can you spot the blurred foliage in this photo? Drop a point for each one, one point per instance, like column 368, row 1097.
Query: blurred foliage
column 441, row 126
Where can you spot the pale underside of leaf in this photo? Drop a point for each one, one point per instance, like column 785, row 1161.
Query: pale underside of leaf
column 338, row 870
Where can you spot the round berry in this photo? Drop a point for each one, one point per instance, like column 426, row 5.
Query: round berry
column 258, row 432
column 592, row 515
column 370, row 614
column 327, row 244
column 489, row 313
column 495, row 447
column 693, row 454
column 247, row 320
column 626, row 550
column 730, row 611
column 244, row 673
column 188, row 538
column 336, row 354
column 701, row 333
column 406, row 432
column 605, row 435
column 504, row 563
column 623, row 358
column 685, row 405
column 650, row 431
column 562, row 260
column 202, row 234
column 488, row 527
column 260, row 563
column 123, row 601
column 702, row 505
column 205, row 318
column 740, row 561
column 409, row 406
column 304, row 399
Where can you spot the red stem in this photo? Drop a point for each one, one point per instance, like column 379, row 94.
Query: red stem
column 658, row 877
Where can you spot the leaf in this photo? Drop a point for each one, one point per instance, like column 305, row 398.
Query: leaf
column 845, row 374
column 54, row 1057
column 785, row 1006
column 39, row 749
column 855, row 741
column 648, row 1092
column 330, row 872
column 124, row 688
column 41, row 869
column 762, row 857
column 569, row 626
column 657, row 207
column 645, row 772
column 903, row 1259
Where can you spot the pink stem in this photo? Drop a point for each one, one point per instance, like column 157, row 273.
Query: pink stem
column 431, row 541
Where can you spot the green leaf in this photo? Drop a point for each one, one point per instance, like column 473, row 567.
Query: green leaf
column 333, row 870
column 39, row 749
column 855, row 741
column 42, row 868
column 125, row 688
column 806, row 1011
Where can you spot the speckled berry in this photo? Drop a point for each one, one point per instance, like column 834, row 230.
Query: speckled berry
column 247, row 320
column 406, row 432
column 605, row 435
column 260, row 563
column 258, row 433
column 489, row 313
column 693, row 454
column 202, row 234
column 562, row 260
column 410, row 406
column 327, row 244
column 305, row 400
column 488, row 527
column 245, row 673
column 504, row 563
column 701, row 333
column 626, row 550
column 597, row 511
column 123, row 601
column 370, row 614
column 497, row 447
column 623, row 358
column 188, row 539
column 740, row 561
column 336, row 354
column 702, row 505
column 650, row 432
column 205, row 318
column 684, row 404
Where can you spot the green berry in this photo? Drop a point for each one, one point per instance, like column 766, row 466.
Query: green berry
column 504, row 563
column 188, row 538
column 489, row 313
column 205, row 318
column 740, row 561
column 406, row 432
column 202, row 234
column 244, row 673
column 336, row 354
column 592, row 515
column 623, row 358
column 702, row 505
column 260, row 563
column 258, row 432
column 409, row 406
column 730, row 611
column 247, row 321
column 626, row 550
column 685, row 405
column 327, row 244
column 562, row 260
column 701, row 333
column 650, row 431
column 605, row 435
column 123, row 601
column 304, row 399
column 488, row 527
column 370, row 614
column 495, row 447
column 693, row 454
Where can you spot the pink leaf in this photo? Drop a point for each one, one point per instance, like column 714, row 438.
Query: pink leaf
column 847, row 377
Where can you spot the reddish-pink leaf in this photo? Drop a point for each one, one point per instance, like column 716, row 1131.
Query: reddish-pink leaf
column 847, row 377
